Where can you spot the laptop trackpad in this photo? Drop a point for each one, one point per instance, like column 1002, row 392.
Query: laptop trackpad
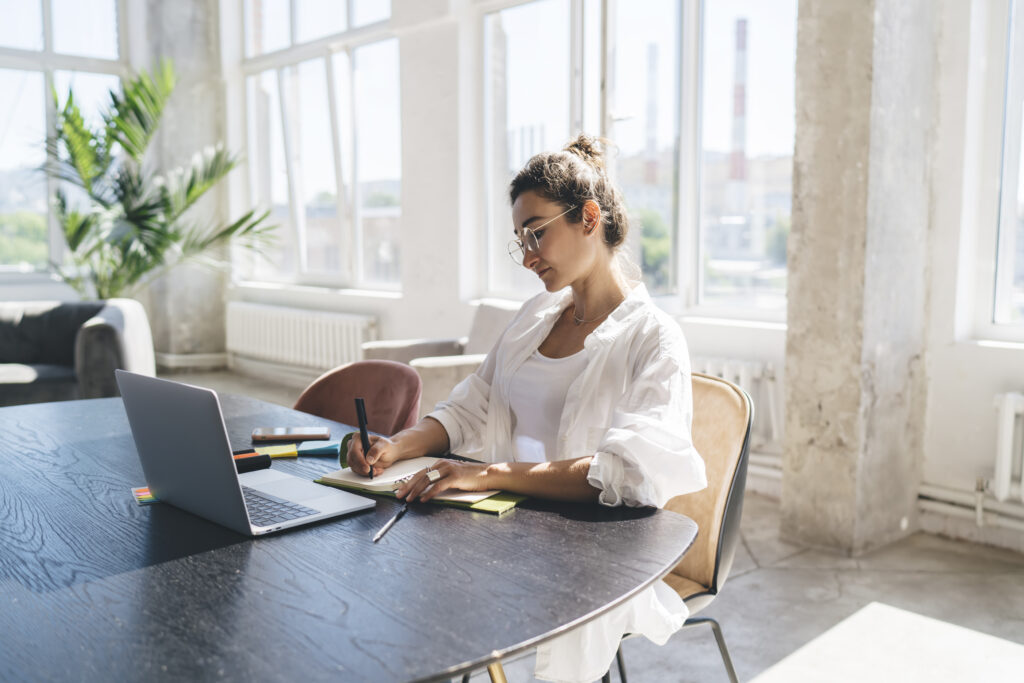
column 282, row 485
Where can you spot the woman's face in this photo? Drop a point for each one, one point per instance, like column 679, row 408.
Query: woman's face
column 565, row 249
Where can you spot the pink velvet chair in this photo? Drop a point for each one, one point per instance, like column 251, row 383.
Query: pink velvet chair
column 390, row 390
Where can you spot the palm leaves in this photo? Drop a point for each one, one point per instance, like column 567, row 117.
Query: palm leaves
column 125, row 224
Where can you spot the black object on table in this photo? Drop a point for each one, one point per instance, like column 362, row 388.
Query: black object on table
column 96, row 587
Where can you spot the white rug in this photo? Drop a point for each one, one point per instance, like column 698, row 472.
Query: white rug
column 884, row 643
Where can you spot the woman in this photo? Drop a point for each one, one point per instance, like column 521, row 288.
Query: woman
column 585, row 397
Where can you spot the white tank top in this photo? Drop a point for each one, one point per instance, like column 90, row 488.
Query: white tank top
column 538, row 389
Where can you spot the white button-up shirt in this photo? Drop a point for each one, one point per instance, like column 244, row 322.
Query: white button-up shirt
column 630, row 409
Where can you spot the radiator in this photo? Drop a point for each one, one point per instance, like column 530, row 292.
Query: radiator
column 293, row 336
column 759, row 380
column 1009, row 463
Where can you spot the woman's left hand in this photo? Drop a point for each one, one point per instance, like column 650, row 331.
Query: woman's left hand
column 441, row 476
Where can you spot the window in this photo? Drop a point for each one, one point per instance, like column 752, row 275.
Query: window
column 526, row 100
column 269, row 24
column 80, row 48
column 324, row 141
column 746, row 153
column 378, row 161
column 698, row 103
column 23, row 232
column 645, row 118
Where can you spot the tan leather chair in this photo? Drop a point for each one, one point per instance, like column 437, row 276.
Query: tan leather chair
column 722, row 415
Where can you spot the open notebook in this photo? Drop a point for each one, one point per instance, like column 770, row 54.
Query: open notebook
column 393, row 477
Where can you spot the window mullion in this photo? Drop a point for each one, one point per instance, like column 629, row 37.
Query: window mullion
column 607, row 89
column 293, row 15
column 55, row 232
column 1006, row 238
column 47, row 29
column 576, row 39
column 356, row 204
column 121, row 17
column 342, row 201
column 298, row 215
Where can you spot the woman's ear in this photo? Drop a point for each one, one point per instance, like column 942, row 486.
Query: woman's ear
column 591, row 215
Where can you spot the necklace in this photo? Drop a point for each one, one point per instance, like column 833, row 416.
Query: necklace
column 580, row 321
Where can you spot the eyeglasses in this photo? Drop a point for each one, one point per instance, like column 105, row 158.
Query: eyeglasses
column 530, row 239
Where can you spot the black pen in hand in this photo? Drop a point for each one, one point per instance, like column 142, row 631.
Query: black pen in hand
column 363, row 435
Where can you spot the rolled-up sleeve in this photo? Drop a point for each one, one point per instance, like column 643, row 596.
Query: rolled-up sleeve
column 647, row 455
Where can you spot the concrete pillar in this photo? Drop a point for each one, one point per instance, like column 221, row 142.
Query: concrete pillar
column 857, row 259
column 432, row 208
column 186, row 306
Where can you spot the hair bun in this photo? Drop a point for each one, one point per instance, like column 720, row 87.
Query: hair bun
column 588, row 148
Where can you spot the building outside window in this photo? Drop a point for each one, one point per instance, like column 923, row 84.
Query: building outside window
column 47, row 46
column 324, row 140
column 698, row 103
column 748, row 56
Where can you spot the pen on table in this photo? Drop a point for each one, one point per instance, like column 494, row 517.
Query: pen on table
column 391, row 522
column 363, row 436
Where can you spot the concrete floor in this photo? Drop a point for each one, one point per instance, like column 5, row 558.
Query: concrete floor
column 781, row 597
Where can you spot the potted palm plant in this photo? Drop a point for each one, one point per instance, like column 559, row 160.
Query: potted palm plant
column 133, row 223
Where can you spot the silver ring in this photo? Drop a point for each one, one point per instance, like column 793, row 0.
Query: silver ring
column 433, row 475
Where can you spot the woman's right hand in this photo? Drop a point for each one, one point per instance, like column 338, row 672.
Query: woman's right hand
column 382, row 454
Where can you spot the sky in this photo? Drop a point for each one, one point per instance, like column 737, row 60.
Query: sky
column 771, row 59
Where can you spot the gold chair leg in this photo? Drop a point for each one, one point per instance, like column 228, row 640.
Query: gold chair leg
column 497, row 673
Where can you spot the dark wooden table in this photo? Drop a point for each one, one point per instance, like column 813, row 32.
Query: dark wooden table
column 95, row 587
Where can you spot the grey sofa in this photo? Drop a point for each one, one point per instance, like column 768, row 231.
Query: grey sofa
column 53, row 351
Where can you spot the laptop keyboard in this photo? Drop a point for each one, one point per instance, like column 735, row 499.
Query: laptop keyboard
column 265, row 509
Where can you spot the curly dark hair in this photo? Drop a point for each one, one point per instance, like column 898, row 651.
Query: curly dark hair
column 572, row 176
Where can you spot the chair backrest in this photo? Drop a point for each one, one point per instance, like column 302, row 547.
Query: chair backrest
column 490, row 320
column 722, row 415
column 391, row 392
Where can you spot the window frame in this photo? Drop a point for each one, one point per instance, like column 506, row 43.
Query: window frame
column 991, row 144
column 350, row 274
column 999, row 270
column 47, row 61
column 481, row 10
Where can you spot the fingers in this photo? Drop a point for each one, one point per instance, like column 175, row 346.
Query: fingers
column 437, row 483
column 420, row 487
column 356, row 459
column 361, row 462
column 373, row 458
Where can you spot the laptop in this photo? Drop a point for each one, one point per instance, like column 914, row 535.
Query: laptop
column 186, row 456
